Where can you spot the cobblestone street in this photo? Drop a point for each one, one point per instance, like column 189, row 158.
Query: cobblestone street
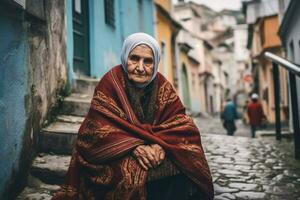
column 246, row 168
column 213, row 125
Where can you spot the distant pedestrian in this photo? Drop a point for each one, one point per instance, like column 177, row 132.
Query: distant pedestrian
column 255, row 114
column 229, row 115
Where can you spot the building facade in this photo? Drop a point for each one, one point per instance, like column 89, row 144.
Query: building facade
column 243, row 71
column 183, row 71
column 96, row 30
column 33, row 76
column 290, row 36
column 166, row 32
column 199, row 68
column 264, row 25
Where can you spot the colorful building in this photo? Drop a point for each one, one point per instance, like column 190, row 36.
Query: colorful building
column 96, row 30
column 33, row 75
column 198, row 67
column 166, row 31
column 263, row 36
column 289, row 32
column 183, row 70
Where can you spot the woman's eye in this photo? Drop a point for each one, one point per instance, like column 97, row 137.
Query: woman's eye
column 148, row 61
column 135, row 58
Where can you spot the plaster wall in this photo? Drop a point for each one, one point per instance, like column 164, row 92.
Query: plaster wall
column 13, row 87
column 292, row 38
column 33, row 72
column 240, row 43
column 183, row 62
column 164, row 34
column 194, row 86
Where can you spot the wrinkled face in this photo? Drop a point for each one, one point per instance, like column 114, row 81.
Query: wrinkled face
column 140, row 64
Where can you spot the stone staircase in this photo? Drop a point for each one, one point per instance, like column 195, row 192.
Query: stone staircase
column 55, row 144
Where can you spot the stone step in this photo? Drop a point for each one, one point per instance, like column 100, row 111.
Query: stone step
column 50, row 169
column 70, row 119
column 76, row 104
column 37, row 190
column 58, row 137
column 32, row 193
column 85, row 85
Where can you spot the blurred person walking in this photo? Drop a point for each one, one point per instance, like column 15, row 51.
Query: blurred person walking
column 229, row 115
column 255, row 114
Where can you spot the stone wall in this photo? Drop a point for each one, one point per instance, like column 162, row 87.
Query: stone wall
column 43, row 78
column 47, row 56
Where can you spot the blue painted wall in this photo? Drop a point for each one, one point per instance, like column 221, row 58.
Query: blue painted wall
column 13, row 79
column 70, row 46
column 105, row 41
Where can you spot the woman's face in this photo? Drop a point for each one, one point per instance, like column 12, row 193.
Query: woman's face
column 140, row 64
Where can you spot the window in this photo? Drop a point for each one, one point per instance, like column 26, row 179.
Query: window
column 109, row 12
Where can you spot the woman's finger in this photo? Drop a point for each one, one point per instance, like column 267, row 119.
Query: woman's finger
column 157, row 157
column 140, row 154
column 142, row 164
column 146, row 162
column 151, row 155
column 159, row 153
column 162, row 155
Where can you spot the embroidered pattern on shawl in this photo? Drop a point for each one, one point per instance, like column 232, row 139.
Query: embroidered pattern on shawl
column 103, row 103
column 166, row 95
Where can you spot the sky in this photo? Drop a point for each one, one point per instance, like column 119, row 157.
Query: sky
column 218, row 5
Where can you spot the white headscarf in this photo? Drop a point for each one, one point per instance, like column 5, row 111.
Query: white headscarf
column 134, row 40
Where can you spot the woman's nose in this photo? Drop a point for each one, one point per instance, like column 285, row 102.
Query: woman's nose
column 140, row 66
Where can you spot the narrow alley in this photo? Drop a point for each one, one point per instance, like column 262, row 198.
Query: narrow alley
column 246, row 168
column 113, row 78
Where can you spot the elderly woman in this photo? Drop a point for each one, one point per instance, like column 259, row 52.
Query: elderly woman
column 136, row 141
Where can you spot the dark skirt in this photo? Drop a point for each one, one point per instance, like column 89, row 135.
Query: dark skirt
column 177, row 187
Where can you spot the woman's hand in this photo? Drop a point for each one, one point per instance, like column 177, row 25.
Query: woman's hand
column 160, row 153
column 149, row 156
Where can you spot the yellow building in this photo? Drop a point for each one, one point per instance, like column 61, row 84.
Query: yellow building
column 183, row 71
column 265, row 38
column 189, row 66
column 166, row 31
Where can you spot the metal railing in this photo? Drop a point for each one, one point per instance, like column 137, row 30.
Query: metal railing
column 294, row 70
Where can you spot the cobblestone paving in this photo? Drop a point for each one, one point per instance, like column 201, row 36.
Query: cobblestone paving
column 246, row 168
column 213, row 125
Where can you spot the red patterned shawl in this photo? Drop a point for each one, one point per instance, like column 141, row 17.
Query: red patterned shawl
column 102, row 166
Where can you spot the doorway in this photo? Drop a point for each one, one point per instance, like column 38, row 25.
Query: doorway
column 81, row 54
